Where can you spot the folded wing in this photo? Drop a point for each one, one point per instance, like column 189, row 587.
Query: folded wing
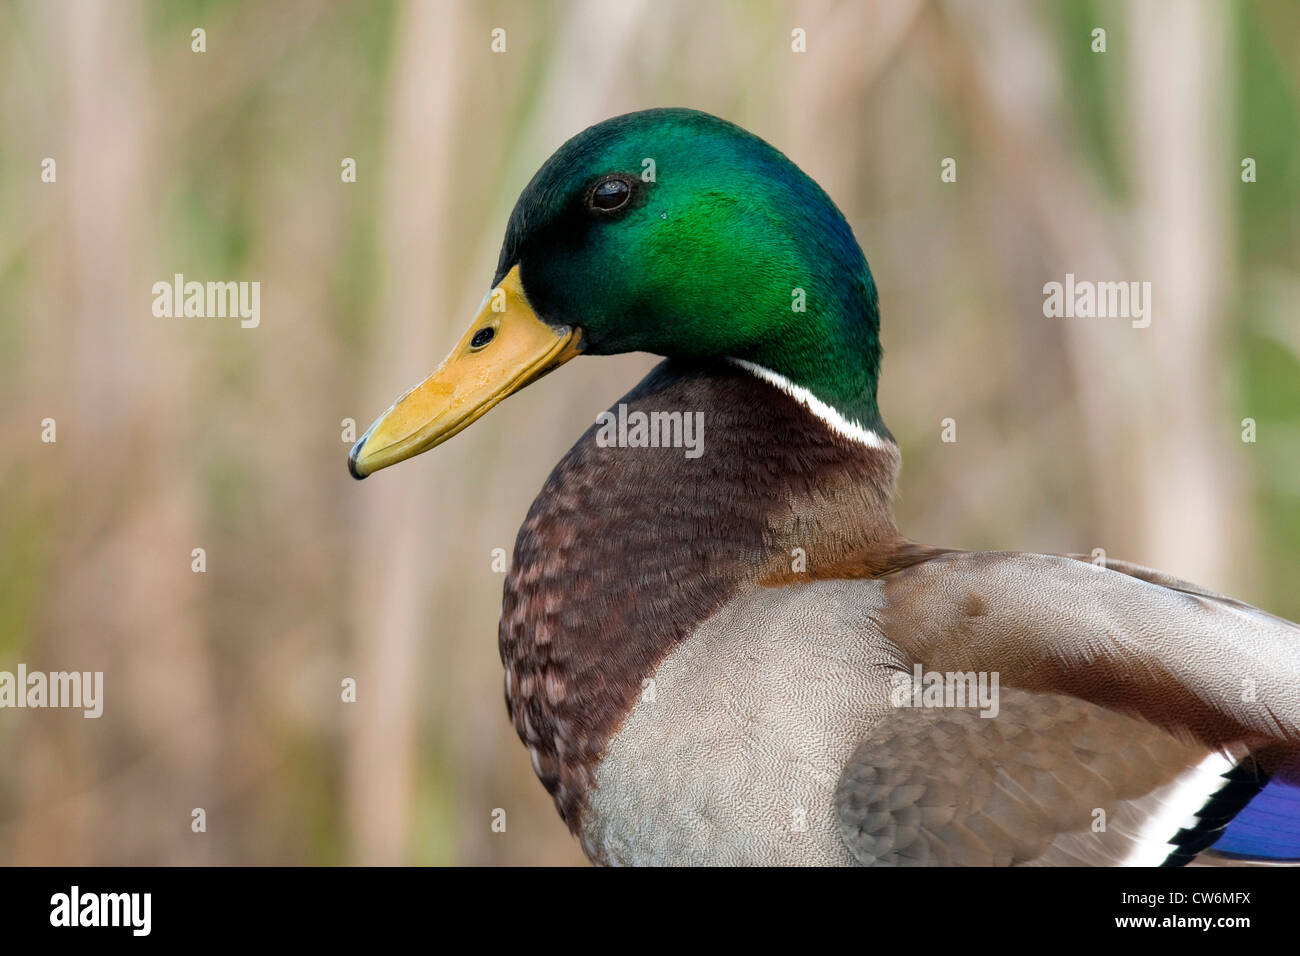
column 1126, row 697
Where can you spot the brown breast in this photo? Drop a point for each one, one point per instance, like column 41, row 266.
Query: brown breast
column 627, row 549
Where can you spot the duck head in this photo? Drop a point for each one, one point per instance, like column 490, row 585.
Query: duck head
column 667, row 231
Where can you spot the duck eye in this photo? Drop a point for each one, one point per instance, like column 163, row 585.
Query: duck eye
column 482, row 337
column 610, row 194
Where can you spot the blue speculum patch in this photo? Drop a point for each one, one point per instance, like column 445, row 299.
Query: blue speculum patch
column 1268, row 827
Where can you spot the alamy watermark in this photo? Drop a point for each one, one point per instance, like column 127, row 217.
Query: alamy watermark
column 208, row 300
column 1085, row 299
column 946, row 689
column 132, row 911
column 651, row 430
column 75, row 689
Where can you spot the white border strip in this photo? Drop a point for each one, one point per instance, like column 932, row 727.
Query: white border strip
column 1185, row 797
column 837, row 422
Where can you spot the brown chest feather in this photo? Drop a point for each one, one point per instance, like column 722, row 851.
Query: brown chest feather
column 626, row 550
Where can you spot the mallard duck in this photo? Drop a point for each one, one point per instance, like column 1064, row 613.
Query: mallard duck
column 733, row 656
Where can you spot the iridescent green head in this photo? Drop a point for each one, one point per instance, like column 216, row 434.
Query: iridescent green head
column 667, row 231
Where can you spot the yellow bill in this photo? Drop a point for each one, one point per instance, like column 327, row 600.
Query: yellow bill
column 505, row 348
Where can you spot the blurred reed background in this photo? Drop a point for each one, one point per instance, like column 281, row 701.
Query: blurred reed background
column 222, row 689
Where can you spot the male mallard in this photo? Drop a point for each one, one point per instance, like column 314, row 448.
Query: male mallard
column 733, row 656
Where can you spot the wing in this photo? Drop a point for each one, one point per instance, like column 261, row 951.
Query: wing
column 1125, row 697
column 1050, row 779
